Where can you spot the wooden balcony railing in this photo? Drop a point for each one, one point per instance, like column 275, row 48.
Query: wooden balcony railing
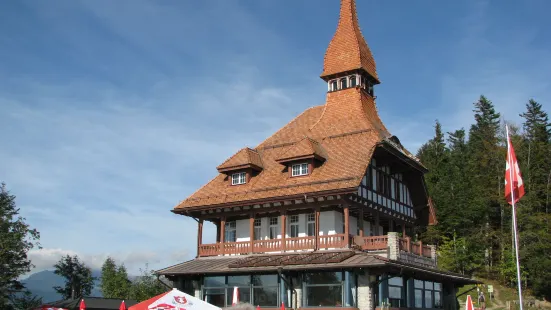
column 273, row 245
column 375, row 243
column 415, row 247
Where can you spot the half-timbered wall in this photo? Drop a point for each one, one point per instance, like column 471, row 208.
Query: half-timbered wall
column 389, row 190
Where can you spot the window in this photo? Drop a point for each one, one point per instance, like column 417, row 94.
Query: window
column 324, row 289
column 437, row 295
column 344, row 83
column 293, row 225
column 238, row 178
column 311, row 224
column 261, row 290
column 299, row 169
column 265, row 289
column 333, row 85
column 428, row 294
column 353, row 81
column 257, row 229
column 418, row 284
column 273, row 227
column 395, row 294
column 230, row 232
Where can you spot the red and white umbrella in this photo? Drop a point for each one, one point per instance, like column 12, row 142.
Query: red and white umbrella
column 123, row 306
column 235, row 299
column 174, row 300
column 469, row 303
column 82, row 305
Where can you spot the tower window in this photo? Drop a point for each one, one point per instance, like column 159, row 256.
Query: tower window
column 238, row 178
column 299, row 169
column 333, row 85
column 344, row 83
column 353, row 81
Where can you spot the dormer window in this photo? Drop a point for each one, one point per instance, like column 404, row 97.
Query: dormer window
column 238, row 178
column 299, row 169
column 353, row 81
column 344, row 83
column 333, row 85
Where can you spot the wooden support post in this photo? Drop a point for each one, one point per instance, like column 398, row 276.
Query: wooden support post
column 420, row 248
column 283, row 226
column 376, row 230
column 403, row 229
column 346, row 226
column 199, row 235
column 317, row 231
column 251, row 232
column 222, row 233
column 217, row 232
column 361, row 221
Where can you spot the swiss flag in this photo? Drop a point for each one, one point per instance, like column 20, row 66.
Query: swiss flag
column 512, row 175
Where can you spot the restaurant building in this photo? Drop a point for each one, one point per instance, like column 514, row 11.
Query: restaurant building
column 322, row 213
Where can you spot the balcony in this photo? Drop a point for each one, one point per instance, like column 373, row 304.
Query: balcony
column 390, row 245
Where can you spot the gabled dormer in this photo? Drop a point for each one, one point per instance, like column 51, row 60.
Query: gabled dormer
column 242, row 166
column 303, row 157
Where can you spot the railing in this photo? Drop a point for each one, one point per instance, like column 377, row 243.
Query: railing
column 415, row 247
column 333, row 241
column 300, row 243
column 270, row 245
column 375, row 243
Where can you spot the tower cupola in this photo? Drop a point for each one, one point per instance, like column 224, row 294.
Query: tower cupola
column 348, row 60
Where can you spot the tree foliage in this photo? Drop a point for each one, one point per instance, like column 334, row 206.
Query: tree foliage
column 466, row 180
column 114, row 280
column 78, row 277
column 146, row 286
column 16, row 239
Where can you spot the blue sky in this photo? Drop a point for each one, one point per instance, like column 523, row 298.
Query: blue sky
column 114, row 111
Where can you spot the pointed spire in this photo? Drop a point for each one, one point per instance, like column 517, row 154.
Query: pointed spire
column 348, row 50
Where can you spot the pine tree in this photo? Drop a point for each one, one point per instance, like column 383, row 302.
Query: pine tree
column 114, row 280
column 146, row 286
column 78, row 277
column 16, row 238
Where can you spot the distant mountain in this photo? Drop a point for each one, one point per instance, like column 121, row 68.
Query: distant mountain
column 42, row 284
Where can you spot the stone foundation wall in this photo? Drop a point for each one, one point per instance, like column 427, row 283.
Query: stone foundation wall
column 365, row 293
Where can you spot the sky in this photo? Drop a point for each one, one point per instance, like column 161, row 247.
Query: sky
column 111, row 112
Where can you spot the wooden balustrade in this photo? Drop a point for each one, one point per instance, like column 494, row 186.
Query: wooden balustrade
column 300, row 243
column 427, row 251
column 263, row 246
column 375, row 243
column 209, row 249
column 333, row 241
column 236, row 248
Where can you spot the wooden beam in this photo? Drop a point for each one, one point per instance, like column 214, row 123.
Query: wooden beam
column 222, row 229
column 346, row 225
column 283, row 228
column 317, row 231
column 199, row 235
column 361, row 222
column 251, row 231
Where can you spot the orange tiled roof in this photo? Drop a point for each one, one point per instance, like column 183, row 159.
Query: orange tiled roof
column 244, row 158
column 348, row 49
column 305, row 148
column 347, row 128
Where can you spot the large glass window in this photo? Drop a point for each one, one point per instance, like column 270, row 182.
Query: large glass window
column 257, row 229
column 261, row 290
column 311, row 224
column 324, row 289
column 428, row 294
column 230, row 235
column 418, row 284
column 273, row 227
column 293, row 225
column 265, row 289
column 395, row 292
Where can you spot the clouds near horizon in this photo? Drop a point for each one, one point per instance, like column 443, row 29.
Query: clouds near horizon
column 113, row 112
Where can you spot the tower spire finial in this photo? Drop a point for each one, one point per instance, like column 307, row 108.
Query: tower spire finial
column 348, row 50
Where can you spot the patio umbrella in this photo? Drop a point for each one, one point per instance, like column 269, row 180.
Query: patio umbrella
column 469, row 303
column 82, row 305
column 235, row 299
column 123, row 306
column 174, row 300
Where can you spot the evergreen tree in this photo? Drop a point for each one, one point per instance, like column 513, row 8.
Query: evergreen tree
column 114, row 280
column 78, row 277
column 16, row 239
column 146, row 286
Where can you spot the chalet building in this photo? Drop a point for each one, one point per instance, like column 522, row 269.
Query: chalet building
column 322, row 213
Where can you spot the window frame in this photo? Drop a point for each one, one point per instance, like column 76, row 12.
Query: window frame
column 306, row 286
column 257, row 229
column 303, row 169
column 228, row 289
column 312, row 222
column 240, row 179
column 294, row 225
column 274, row 226
column 229, row 229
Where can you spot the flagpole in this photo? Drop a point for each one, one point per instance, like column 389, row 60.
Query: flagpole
column 514, row 216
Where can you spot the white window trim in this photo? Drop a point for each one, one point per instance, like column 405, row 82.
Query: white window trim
column 238, row 178
column 301, row 171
